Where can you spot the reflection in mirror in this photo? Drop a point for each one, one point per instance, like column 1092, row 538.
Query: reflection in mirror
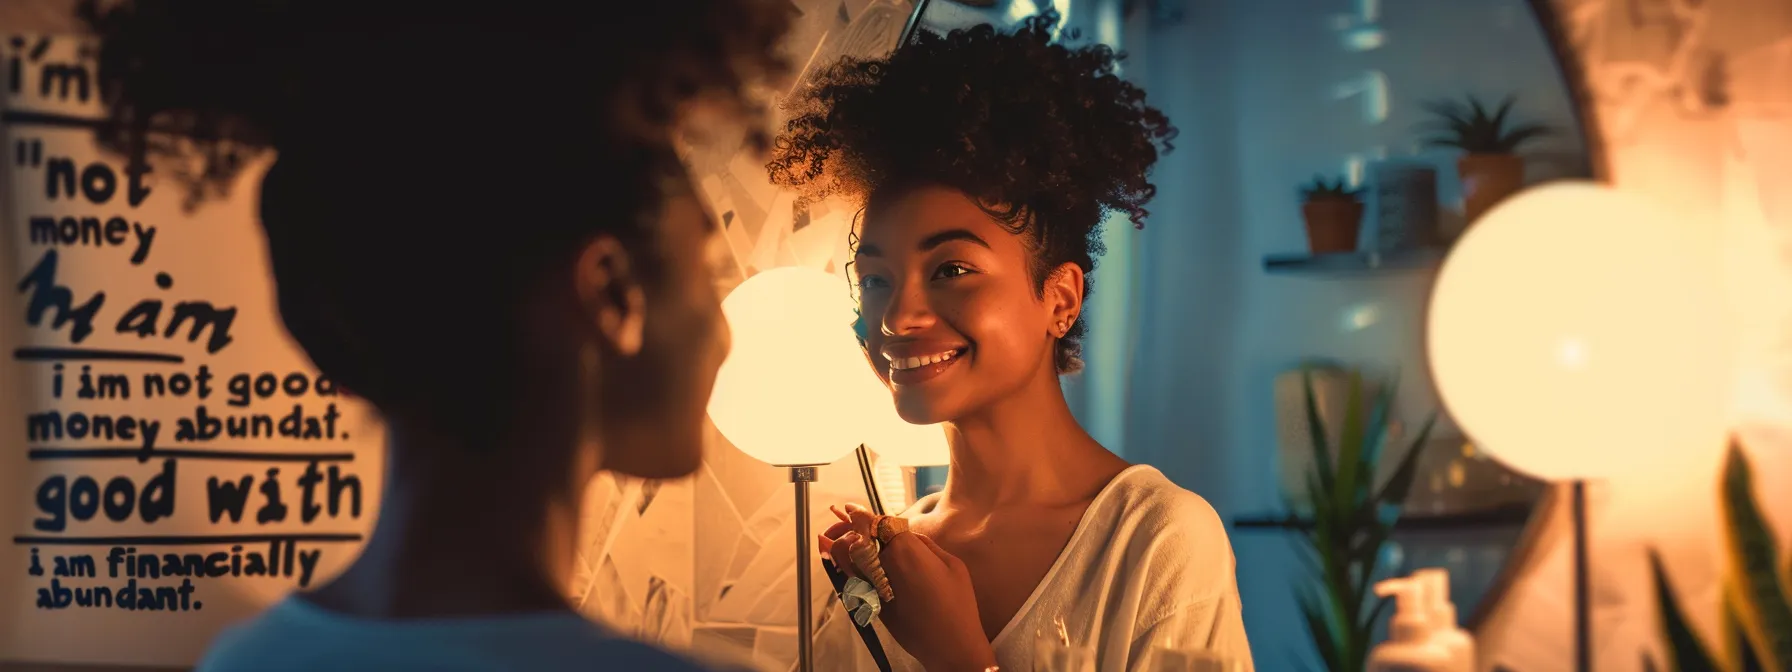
column 1334, row 153
column 1329, row 153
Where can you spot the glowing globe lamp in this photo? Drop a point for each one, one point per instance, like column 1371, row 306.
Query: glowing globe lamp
column 791, row 392
column 1577, row 331
column 897, row 442
column 901, row 447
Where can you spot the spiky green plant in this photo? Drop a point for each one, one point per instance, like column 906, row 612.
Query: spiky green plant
column 1757, row 617
column 1352, row 521
column 1321, row 189
column 1470, row 127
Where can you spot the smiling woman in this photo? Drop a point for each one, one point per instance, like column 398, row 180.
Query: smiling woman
column 949, row 285
column 985, row 163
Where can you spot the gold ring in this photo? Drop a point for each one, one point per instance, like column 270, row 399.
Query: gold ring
column 890, row 526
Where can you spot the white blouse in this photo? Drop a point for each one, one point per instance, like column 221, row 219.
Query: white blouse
column 1149, row 565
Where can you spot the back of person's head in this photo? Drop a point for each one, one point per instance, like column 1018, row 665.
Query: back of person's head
column 461, row 190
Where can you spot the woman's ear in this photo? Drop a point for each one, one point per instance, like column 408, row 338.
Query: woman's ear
column 611, row 295
column 1064, row 296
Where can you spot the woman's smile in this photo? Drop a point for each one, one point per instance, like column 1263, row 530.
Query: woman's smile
column 912, row 362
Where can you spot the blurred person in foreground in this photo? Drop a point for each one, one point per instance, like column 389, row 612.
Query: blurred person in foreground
column 477, row 222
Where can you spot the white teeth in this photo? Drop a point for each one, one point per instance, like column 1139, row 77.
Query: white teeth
column 906, row 363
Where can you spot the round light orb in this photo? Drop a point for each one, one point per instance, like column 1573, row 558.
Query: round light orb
column 900, row 443
column 896, row 441
column 791, row 391
column 1577, row 331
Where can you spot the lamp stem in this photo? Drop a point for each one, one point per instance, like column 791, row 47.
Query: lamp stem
column 1583, row 617
column 801, row 477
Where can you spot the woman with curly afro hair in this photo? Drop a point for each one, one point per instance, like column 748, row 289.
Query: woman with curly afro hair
column 986, row 162
column 477, row 221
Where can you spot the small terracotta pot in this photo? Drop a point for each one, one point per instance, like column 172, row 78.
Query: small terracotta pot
column 1332, row 224
column 1488, row 179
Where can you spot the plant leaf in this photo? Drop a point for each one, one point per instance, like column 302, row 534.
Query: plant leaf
column 1394, row 493
column 1512, row 139
column 1350, row 445
column 1737, row 646
column 1499, row 117
column 1364, row 630
column 1369, row 561
column 1685, row 652
column 1322, row 452
column 1319, row 626
column 1762, row 609
column 1316, row 495
column 1376, row 427
column 1375, row 434
column 1479, row 111
column 1751, row 659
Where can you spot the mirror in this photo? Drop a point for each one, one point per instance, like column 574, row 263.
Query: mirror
column 1289, row 110
column 1329, row 152
column 1351, row 92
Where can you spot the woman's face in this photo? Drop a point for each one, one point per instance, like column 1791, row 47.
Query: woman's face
column 653, row 405
column 952, row 318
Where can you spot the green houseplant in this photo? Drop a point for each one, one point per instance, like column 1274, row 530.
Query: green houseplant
column 1352, row 519
column 1757, row 617
column 1490, row 168
column 1333, row 213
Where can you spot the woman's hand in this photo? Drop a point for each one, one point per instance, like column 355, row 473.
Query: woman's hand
column 934, row 616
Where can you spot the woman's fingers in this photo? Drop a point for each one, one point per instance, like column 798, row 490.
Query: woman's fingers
column 840, row 550
column 834, row 531
column 853, row 513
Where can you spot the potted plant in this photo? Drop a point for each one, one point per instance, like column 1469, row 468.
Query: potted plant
column 1352, row 517
column 1756, row 632
column 1334, row 215
column 1490, row 168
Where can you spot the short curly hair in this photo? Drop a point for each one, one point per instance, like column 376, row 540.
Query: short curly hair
column 437, row 164
column 1048, row 139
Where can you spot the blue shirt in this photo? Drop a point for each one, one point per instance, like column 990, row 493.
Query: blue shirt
column 298, row 635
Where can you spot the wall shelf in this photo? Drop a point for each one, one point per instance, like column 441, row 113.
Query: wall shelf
column 1504, row 517
column 1354, row 264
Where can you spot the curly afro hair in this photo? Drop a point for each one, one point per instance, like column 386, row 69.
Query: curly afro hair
column 213, row 83
column 437, row 164
column 1046, row 138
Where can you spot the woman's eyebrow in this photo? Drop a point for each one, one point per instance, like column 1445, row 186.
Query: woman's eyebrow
column 930, row 242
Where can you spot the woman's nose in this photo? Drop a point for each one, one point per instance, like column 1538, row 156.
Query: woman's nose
column 908, row 311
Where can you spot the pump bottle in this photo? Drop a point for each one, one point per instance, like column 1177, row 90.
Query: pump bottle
column 1447, row 633
column 1411, row 645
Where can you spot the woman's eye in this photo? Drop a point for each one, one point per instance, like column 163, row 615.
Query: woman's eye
column 950, row 271
column 871, row 282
